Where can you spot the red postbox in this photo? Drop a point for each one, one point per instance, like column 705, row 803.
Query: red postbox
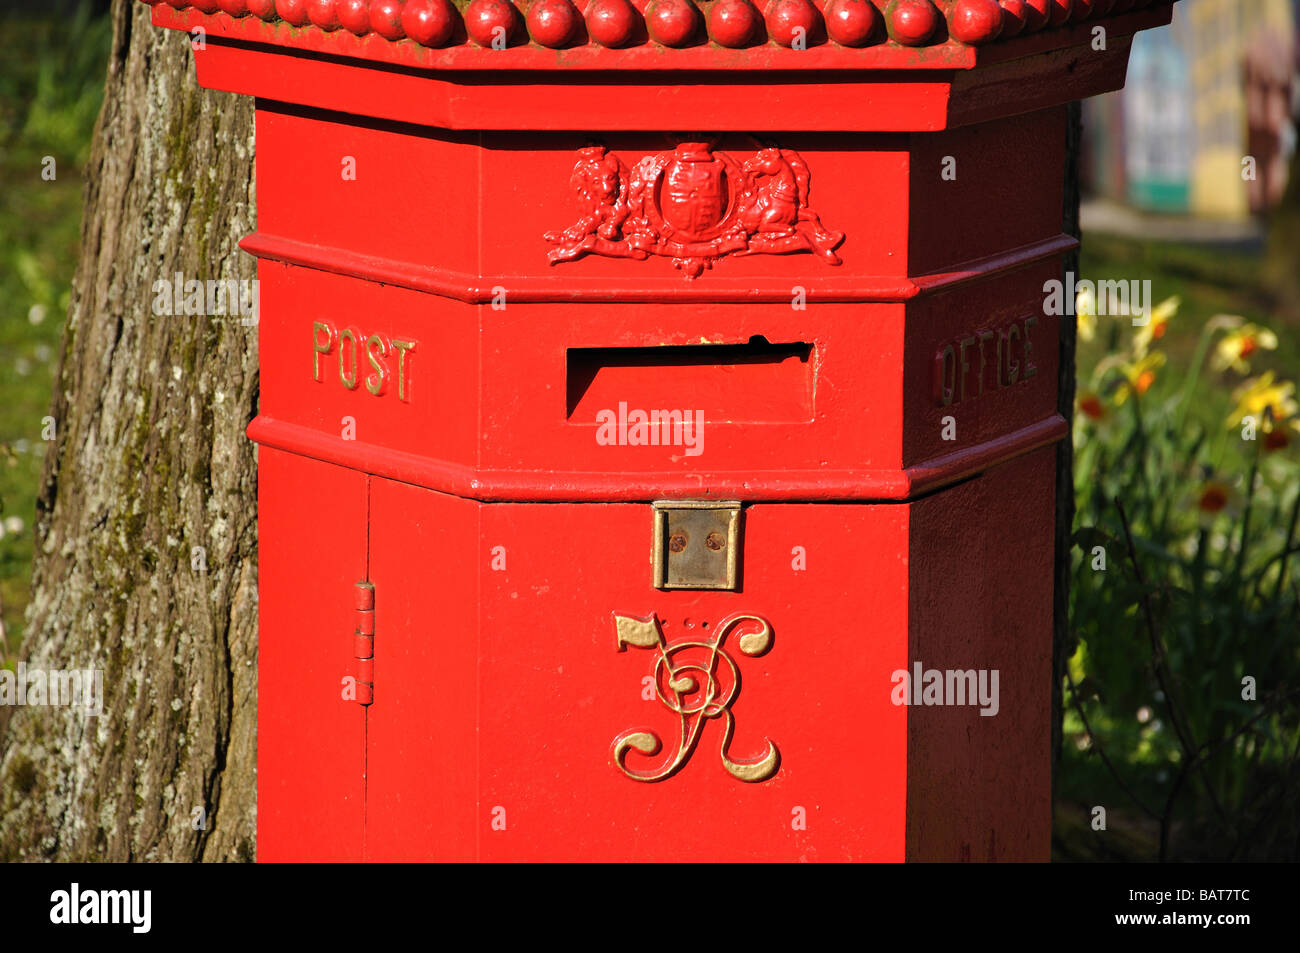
column 656, row 420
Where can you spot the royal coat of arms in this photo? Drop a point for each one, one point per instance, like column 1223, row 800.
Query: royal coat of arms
column 693, row 205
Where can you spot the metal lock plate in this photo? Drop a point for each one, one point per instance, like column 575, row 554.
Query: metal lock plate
column 696, row 545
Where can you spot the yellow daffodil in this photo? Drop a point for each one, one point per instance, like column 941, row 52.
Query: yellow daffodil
column 1273, row 408
column 1264, row 400
column 1085, row 308
column 1139, row 376
column 1236, row 348
column 1156, row 326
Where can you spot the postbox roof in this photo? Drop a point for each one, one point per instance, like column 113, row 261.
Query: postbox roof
column 662, row 35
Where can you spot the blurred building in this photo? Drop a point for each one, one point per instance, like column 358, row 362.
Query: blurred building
column 1206, row 122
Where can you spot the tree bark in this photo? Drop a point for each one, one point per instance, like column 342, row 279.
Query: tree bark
column 146, row 522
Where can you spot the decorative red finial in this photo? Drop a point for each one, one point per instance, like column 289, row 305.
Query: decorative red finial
column 852, row 22
column 672, row 22
column 1013, row 17
column 733, row 23
column 323, row 13
column 489, row 20
column 611, row 23
column 262, row 9
column 1058, row 11
column 234, row 8
column 791, row 22
column 429, row 22
column 1037, row 13
column 553, row 23
column 292, row 11
column 386, row 18
column 354, row 16
column 911, row 22
column 1083, row 9
column 975, row 21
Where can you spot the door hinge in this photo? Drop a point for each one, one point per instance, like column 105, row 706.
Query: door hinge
column 363, row 641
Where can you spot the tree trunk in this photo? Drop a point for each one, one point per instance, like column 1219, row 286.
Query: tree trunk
column 146, row 522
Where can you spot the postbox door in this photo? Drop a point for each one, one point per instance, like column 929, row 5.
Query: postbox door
column 421, row 744
column 501, row 692
column 311, row 735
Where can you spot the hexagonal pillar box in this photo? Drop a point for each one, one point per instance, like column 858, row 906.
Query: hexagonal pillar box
column 657, row 420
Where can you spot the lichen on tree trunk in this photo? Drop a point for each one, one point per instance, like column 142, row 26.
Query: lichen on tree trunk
column 150, row 475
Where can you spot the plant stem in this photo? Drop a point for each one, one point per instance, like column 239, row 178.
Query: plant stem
column 1158, row 661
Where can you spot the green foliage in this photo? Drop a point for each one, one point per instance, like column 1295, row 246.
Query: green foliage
column 50, row 91
column 69, row 86
column 1199, row 528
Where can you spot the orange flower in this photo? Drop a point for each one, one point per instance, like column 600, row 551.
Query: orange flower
column 1138, row 376
column 1214, row 498
column 1092, row 406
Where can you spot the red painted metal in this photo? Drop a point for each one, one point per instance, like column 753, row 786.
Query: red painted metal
column 912, row 22
column 852, row 23
column 488, row 240
column 364, row 643
column 386, row 41
column 612, row 23
column 311, row 744
column 791, row 22
column 975, row 21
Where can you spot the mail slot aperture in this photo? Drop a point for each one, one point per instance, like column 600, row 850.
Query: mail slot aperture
column 755, row 382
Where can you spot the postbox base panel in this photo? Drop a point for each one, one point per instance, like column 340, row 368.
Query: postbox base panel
column 536, row 697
